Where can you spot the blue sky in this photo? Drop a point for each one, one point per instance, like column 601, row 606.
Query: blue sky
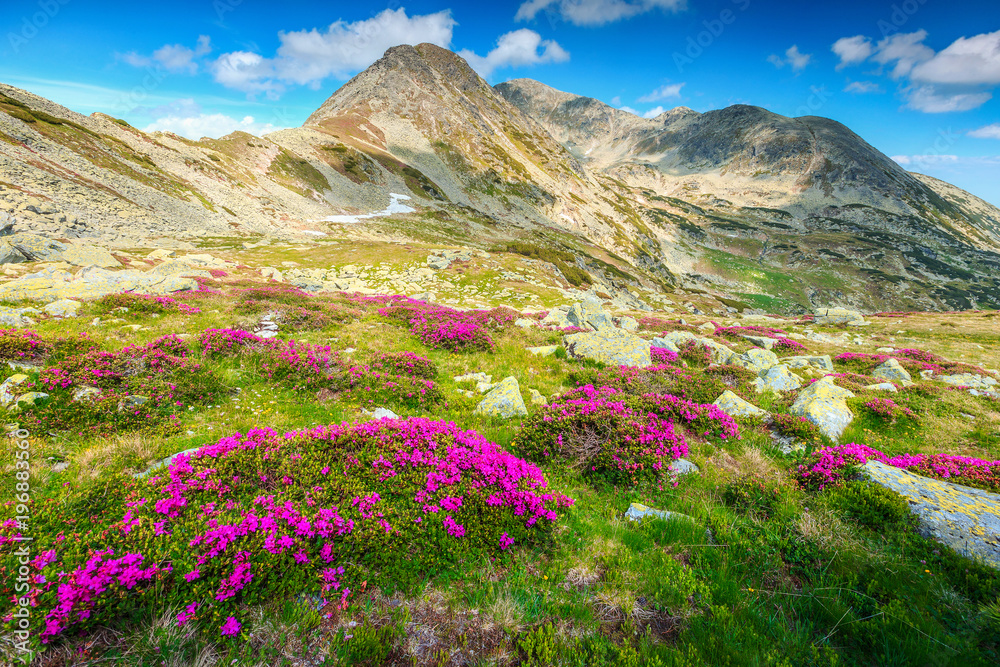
column 918, row 79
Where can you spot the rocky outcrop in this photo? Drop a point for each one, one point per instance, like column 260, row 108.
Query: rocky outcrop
column 961, row 517
column 892, row 371
column 824, row 404
column 839, row 316
column 735, row 406
column 609, row 346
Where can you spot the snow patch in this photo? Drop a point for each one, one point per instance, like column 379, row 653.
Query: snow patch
column 395, row 206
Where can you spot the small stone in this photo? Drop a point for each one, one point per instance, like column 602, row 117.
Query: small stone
column 85, row 394
column 132, row 402
column 683, row 467
column 892, row 371
column 537, row 398
column 32, row 399
column 63, row 308
column 543, row 351
column 883, row 386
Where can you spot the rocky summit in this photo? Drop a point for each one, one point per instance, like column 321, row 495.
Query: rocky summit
column 456, row 374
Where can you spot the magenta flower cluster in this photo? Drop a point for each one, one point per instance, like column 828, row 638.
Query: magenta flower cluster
column 830, row 464
column 447, row 328
column 661, row 355
column 214, row 525
column 888, row 409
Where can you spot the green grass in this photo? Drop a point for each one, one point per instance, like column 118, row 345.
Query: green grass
column 802, row 579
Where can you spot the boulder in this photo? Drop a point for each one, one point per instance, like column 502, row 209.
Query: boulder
column 610, row 346
column 824, row 404
column 8, row 390
column 628, row 323
column 683, row 467
column 272, row 273
column 756, row 360
column 665, row 343
column 883, row 386
column 673, row 340
column 638, row 511
column 892, row 371
column 961, row 517
column 130, row 402
column 504, row 401
column 307, row 284
column 32, row 399
column 89, row 255
column 557, row 318
column 36, row 248
column 62, row 308
column 777, row 378
column 589, row 314
column 543, row 350
column 10, row 255
column 839, row 316
column 762, row 341
column 160, row 253
column 474, row 377
column 524, row 322
column 380, row 413
column 822, row 362
column 735, row 406
column 968, row 380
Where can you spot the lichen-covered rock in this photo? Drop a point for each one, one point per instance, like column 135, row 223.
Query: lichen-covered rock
column 638, row 511
column 85, row 394
column 735, row 406
column 968, row 380
column 824, row 404
column 610, row 346
column 883, row 386
column 777, row 378
column 628, row 323
column 31, row 399
column 839, row 316
column 504, row 400
column 537, row 398
column 62, row 308
column 36, row 248
column 756, row 360
column 89, row 255
column 543, row 350
column 8, row 390
column 762, row 341
column 893, row 372
column 665, row 343
column 683, row 467
column 822, row 362
column 963, row 518
column 589, row 314
column 557, row 318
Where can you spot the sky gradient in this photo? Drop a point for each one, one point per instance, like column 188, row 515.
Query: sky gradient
column 917, row 79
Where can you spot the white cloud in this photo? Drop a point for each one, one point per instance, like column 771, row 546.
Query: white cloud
column 630, row 110
column 906, row 50
column 595, row 12
column 616, row 101
column 516, row 49
column 793, row 57
column 991, row 131
column 862, row 87
column 930, row 100
column 173, row 57
column 248, row 72
column 654, row 112
column 664, row 92
column 967, row 61
column 852, row 50
column 307, row 57
column 190, row 122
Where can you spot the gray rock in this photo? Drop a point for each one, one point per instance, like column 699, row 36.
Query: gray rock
column 762, row 341
column 683, row 467
column 543, row 350
column 380, row 413
column 838, row 316
column 8, row 390
column 892, row 371
column 166, row 462
column 822, row 362
column 824, row 404
column 504, row 401
column 85, row 394
column 963, row 518
column 756, row 360
column 778, row 378
column 610, row 346
column 735, row 406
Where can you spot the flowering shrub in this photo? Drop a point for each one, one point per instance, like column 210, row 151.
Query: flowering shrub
column 831, row 464
column 229, row 342
column 753, row 496
column 138, row 387
column 695, row 385
column 737, row 333
column 300, row 365
column 887, row 410
column 605, row 433
column 788, row 345
column 695, row 353
column 366, row 386
column 253, row 300
column 257, row 517
column 661, row 355
column 912, row 360
column 405, row 363
column 22, row 345
column 144, row 304
column 454, row 336
column 799, row 428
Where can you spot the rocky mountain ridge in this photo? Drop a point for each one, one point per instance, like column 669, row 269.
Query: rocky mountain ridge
column 772, row 212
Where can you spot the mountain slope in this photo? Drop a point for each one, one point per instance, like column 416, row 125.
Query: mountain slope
column 771, row 212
